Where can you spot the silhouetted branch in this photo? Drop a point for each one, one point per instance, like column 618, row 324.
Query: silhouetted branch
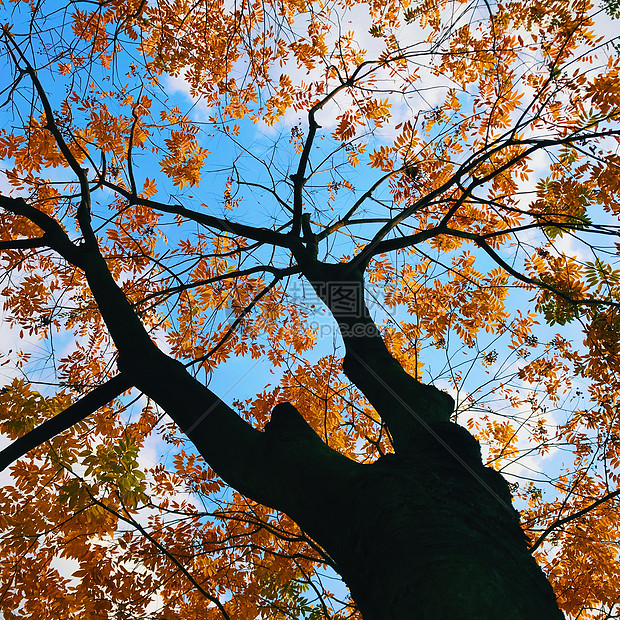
column 479, row 240
column 83, row 211
column 241, row 273
column 23, row 244
column 73, row 414
column 55, row 237
column 580, row 513
column 264, row 235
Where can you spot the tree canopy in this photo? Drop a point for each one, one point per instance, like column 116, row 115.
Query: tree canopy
column 199, row 175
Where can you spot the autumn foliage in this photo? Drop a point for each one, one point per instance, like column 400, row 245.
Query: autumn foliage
column 464, row 156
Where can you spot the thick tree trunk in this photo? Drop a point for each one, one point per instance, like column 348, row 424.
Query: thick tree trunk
column 431, row 541
column 426, row 535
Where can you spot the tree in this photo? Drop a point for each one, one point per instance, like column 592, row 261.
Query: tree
column 449, row 196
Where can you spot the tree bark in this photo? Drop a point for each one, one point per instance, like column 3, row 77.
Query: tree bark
column 428, row 539
column 425, row 534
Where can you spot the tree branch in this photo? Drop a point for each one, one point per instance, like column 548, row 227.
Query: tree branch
column 407, row 406
column 377, row 245
column 73, row 414
column 277, row 271
column 238, row 320
column 299, row 178
column 263, row 235
column 24, row 244
column 83, row 211
column 55, row 237
column 580, row 513
column 480, row 241
column 346, row 218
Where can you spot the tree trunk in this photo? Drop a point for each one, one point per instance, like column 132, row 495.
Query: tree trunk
column 427, row 535
column 430, row 540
